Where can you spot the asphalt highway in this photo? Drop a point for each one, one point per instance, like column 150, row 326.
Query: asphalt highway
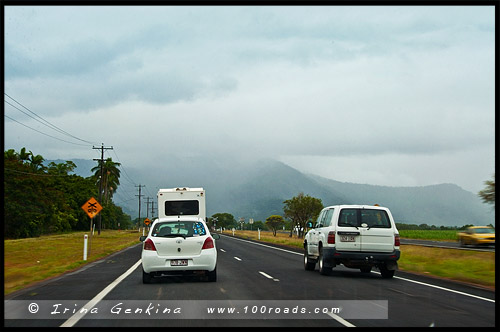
column 261, row 282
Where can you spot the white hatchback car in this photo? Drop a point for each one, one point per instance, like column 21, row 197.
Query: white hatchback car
column 179, row 246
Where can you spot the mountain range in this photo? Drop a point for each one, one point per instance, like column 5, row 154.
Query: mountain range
column 257, row 190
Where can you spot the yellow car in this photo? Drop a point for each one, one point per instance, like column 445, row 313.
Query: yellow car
column 477, row 235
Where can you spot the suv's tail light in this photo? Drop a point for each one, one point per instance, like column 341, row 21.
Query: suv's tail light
column 396, row 240
column 331, row 237
column 149, row 245
column 209, row 243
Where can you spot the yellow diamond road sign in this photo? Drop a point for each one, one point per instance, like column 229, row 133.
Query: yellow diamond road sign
column 92, row 207
column 147, row 221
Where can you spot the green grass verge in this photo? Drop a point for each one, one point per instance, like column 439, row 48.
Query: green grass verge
column 461, row 265
column 27, row 261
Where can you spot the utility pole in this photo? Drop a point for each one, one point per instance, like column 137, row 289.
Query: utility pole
column 140, row 201
column 152, row 209
column 102, row 148
column 147, row 206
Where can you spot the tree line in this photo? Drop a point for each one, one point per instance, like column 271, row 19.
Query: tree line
column 297, row 211
column 46, row 199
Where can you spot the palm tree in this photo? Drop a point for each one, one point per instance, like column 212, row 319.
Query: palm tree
column 11, row 155
column 61, row 169
column 23, row 156
column 36, row 162
column 110, row 178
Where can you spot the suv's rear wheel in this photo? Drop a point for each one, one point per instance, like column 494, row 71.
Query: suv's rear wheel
column 309, row 263
column 386, row 273
column 323, row 269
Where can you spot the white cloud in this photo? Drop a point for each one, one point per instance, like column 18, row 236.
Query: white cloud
column 336, row 85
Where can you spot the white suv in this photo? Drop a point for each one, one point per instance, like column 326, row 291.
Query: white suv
column 357, row 236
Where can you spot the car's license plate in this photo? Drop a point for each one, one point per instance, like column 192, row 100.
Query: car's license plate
column 178, row 262
column 347, row 238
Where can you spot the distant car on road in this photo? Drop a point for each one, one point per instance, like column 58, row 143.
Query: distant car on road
column 179, row 245
column 477, row 236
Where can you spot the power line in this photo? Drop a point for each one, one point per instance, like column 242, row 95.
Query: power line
column 124, row 171
column 42, row 120
column 148, row 191
column 48, row 124
column 35, row 174
column 122, row 199
column 38, row 131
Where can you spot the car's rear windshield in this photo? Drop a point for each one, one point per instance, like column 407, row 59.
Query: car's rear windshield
column 179, row 228
column 373, row 218
column 179, row 208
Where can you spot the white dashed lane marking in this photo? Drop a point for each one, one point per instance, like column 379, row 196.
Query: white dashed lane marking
column 268, row 276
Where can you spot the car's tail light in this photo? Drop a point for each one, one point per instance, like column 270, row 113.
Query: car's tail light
column 331, row 237
column 209, row 243
column 149, row 245
column 396, row 240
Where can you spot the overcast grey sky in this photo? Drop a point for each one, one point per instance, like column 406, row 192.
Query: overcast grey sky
column 396, row 96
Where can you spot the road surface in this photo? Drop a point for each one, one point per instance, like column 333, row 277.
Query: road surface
column 261, row 278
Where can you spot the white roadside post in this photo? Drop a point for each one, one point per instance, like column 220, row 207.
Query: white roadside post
column 259, row 232
column 85, row 247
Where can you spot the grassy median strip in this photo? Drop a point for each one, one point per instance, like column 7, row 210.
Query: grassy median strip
column 27, row 261
column 475, row 267
column 469, row 266
column 432, row 234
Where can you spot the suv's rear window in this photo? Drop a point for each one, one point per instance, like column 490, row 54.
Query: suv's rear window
column 373, row 218
column 183, row 228
column 179, row 208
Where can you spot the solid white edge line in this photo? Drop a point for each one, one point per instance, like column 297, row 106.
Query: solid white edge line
column 340, row 320
column 446, row 289
column 405, row 279
column 91, row 304
column 442, row 288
